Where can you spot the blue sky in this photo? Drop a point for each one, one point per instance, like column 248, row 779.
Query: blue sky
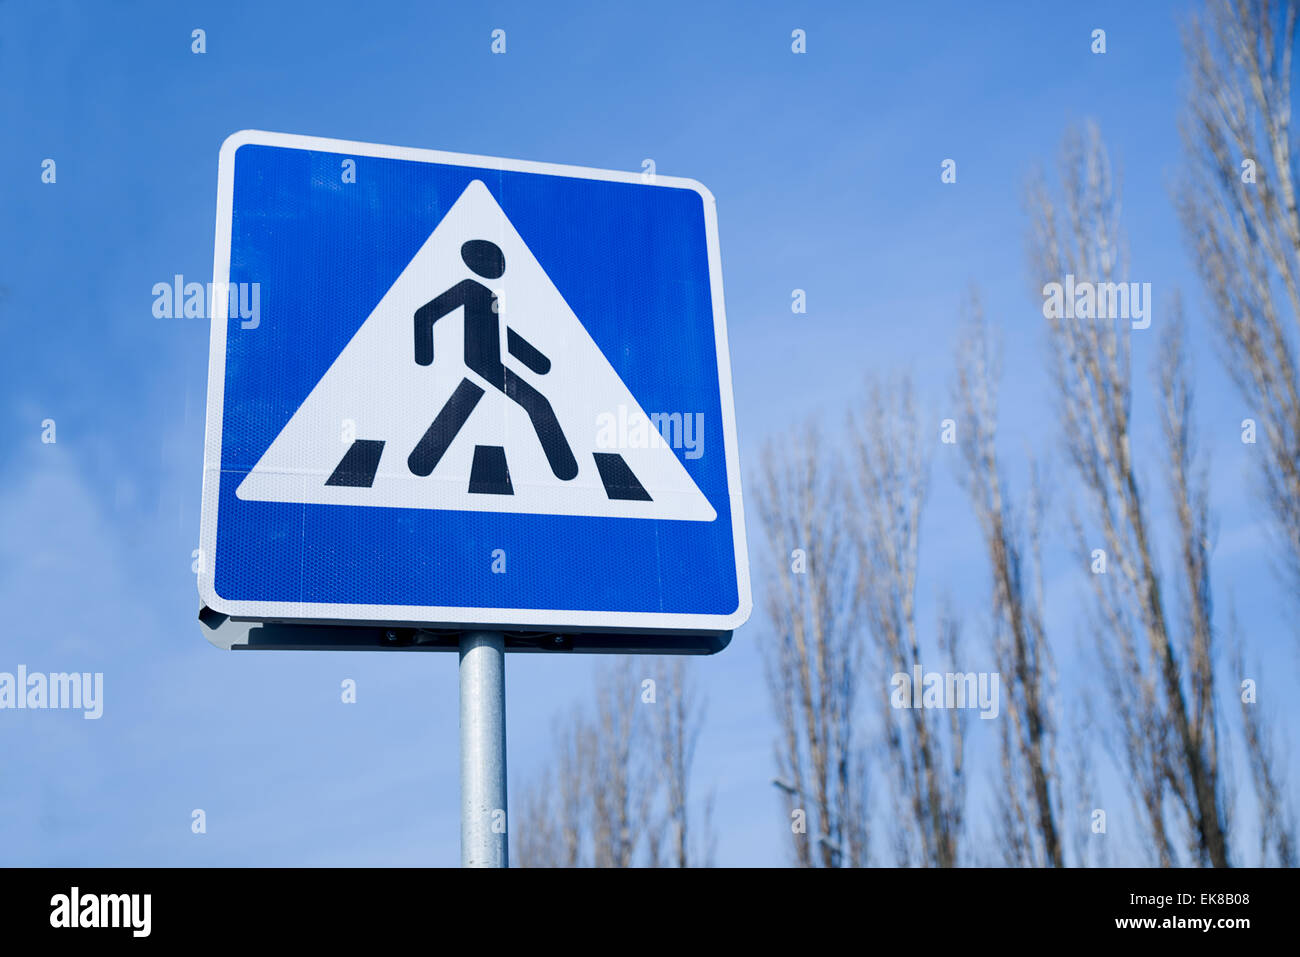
column 826, row 171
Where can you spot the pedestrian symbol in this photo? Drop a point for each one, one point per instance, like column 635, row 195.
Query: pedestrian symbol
column 444, row 417
column 483, row 355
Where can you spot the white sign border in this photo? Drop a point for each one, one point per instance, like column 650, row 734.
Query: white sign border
column 435, row 616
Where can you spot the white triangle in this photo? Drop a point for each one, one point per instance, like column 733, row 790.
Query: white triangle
column 376, row 385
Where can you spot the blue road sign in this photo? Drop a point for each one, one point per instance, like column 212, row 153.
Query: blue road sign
column 474, row 392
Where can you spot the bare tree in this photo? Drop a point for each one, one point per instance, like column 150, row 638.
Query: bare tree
column 1239, row 210
column 1161, row 682
column 619, row 774
column 591, row 808
column 620, row 777
column 677, row 718
column 813, row 656
column 926, row 760
column 1089, row 851
column 1277, row 825
column 1029, row 796
column 549, row 828
column 536, row 836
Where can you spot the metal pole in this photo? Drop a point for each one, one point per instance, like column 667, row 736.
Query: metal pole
column 483, row 829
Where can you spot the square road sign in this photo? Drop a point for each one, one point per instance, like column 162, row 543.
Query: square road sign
column 462, row 392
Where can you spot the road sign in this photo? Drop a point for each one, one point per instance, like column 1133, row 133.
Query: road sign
column 477, row 394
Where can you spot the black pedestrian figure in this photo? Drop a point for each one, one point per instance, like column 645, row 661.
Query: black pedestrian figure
column 483, row 356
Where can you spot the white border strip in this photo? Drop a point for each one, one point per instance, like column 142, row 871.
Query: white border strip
column 435, row 615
